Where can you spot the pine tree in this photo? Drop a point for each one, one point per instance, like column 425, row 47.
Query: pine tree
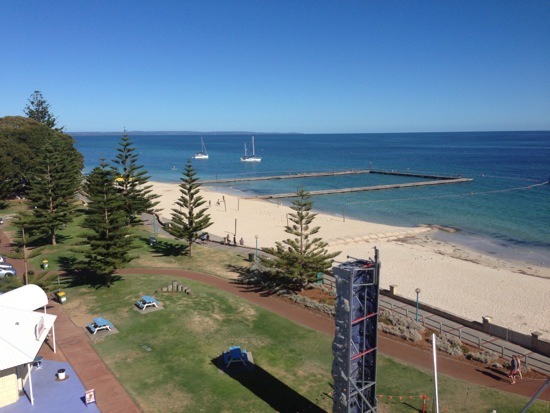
column 189, row 219
column 39, row 109
column 132, row 182
column 54, row 186
column 302, row 257
column 22, row 141
column 109, row 238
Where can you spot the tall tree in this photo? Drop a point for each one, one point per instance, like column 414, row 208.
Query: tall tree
column 54, row 186
column 132, row 182
column 303, row 256
column 109, row 238
column 189, row 218
column 21, row 140
column 39, row 109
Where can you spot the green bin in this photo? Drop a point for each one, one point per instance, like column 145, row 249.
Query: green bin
column 319, row 278
column 45, row 264
column 61, row 297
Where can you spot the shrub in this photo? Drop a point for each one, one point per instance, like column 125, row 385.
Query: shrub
column 308, row 302
column 400, row 326
column 449, row 344
column 485, row 356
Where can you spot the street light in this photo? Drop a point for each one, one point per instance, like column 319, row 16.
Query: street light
column 417, row 292
column 256, row 260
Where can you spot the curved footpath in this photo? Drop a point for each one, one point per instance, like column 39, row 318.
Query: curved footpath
column 74, row 346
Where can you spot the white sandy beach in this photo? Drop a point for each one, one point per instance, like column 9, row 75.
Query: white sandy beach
column 461, row 281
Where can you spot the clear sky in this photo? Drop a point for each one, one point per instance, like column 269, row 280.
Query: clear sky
column 312, row 66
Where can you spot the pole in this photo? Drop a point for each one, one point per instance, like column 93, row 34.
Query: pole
column 436, row 398
column 256, row 260
column 537, row 394
column 25, row 255
column 417, row 293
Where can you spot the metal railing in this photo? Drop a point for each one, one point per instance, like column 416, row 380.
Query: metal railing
column 532, row 360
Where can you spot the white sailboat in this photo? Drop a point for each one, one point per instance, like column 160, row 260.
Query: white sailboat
column 202, row 154
column 253, row 157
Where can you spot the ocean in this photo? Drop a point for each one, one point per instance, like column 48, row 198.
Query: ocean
column 504, row 211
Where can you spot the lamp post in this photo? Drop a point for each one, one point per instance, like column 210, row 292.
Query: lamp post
column 417, row 293
column 256, row 260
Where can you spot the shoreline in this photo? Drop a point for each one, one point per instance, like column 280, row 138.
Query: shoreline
column 466, row 282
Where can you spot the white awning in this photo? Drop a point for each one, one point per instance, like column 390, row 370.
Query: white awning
column 27, row 297
column 22, row 333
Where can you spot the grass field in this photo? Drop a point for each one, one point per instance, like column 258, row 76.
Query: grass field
column 169, row 357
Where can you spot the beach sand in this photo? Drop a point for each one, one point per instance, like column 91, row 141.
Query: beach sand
column 461, row 281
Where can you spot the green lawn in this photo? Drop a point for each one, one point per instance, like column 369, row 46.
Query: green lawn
column 168, row 358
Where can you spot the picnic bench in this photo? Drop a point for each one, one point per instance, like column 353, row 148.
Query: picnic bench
column 147, row 301
column 235, row 354
column 98, row 324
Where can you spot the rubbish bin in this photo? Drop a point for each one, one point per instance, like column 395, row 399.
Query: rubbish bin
column 251, row 256
column 152, row 240
column 319, row 278
column 45, row 264
column 61, row 297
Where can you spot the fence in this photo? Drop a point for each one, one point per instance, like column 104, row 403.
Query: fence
column 504, row 349
column 455, row 326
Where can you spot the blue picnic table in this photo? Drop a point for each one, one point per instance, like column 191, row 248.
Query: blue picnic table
column 98, row 324
column 147, row 301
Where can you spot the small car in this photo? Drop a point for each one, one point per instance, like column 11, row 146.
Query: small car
column 7, row 272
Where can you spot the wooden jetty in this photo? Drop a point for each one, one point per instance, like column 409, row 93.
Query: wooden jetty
column 434, row 180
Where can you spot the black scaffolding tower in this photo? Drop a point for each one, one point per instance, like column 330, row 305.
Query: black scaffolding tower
column 355, row 344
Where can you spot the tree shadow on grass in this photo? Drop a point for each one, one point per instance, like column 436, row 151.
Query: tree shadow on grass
column 253, row 281
column 74, row 274
column 165, row 248
column 267, row 387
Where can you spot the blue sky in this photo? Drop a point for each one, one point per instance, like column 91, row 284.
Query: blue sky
column 311, row 66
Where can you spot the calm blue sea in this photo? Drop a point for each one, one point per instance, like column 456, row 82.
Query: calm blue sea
column 505, row 210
